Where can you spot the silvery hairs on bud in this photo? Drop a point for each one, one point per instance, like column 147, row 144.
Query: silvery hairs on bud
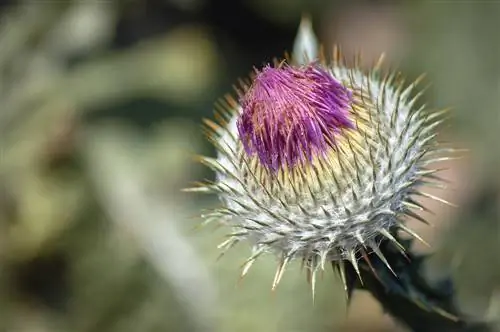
column 319, row 161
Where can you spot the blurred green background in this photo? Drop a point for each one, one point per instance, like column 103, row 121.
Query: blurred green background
column 100, row 111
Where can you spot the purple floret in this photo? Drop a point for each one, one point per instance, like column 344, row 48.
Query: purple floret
column 290, row 114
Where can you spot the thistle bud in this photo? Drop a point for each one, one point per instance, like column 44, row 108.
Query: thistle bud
column 319, row 161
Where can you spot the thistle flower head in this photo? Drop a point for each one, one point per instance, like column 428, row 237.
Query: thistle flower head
column 319, row 161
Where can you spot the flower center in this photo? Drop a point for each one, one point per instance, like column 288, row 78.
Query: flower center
column 291, row 114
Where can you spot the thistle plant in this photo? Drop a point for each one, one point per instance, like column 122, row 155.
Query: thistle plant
column 324, row 162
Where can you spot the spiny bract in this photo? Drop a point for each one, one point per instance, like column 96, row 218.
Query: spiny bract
column 320, row 161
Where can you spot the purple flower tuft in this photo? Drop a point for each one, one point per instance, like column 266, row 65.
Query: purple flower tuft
column 290, row 114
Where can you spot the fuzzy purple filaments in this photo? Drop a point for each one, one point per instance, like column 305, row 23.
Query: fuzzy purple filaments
column 290, row 114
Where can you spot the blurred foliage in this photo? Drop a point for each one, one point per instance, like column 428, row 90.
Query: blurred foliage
column 101, row 102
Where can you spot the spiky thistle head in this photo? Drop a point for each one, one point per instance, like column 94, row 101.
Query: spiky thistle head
column 319, row 161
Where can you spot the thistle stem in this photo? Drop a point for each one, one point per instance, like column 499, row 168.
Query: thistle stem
column 410, row 298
